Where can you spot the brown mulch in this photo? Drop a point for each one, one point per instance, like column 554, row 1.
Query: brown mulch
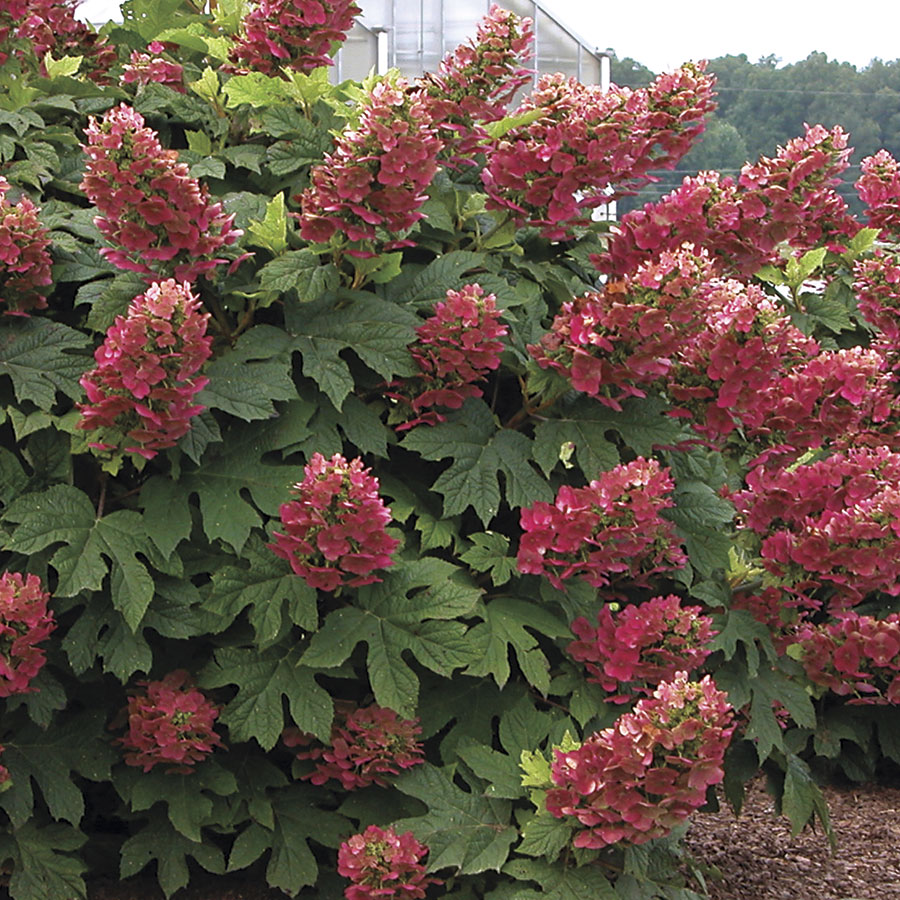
column 753, row 857
column 759, row 860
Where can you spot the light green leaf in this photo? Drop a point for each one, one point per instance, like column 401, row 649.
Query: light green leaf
column 546, row 835
column 68, row 65
column 271, row 232
column 463, row 831
column 207, row 85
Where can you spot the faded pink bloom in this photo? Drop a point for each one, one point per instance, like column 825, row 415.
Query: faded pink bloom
column 334, row 532
column 367, row 745
column 609, row 531
column 24, row 258
column 856, row 657
column 25, row 621
column 144, row 69
column 642, row 777
column 834, row 522
column 381, row 863
column 141, row 393
column 171, row 723
column 642, row 645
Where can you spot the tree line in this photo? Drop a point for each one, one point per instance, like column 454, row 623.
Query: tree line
column 761, row 105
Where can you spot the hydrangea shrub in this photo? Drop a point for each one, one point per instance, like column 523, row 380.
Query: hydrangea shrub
column 375, row 522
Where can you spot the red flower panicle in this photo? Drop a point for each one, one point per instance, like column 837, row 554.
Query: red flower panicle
column 646, row 774
column 643, row 645
column 477, row 80
column 610, row 530
column 552, row 172
column 171, row 723
column 334, row 532
column 25, row 621
column 24, row 257
column 291, row 34
column 877, row 286
column 723, row 376
column 457, row 347
column 367, row 745
column 790, row 198
column 834, row 523
column 141, row 394
column 856, row 657
column 144, row 68
column 50, row 26
column 381, row 863
column 373, row 184
column 158, row 218
column 614, row 343
column 879, row 189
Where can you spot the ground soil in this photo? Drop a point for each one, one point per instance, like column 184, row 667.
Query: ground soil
column 757, row 858
column 753, row 857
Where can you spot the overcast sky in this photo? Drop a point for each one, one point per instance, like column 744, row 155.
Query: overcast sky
column 662, row 34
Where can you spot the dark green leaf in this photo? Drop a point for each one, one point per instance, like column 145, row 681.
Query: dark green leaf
column 462, row 830
column 42, row 358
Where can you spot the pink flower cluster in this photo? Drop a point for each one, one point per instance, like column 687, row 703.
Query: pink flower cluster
column 144, row 68
column 381, row 863
column 158, row 218
column 609, row 530
column 553, row 171
column 24, row 257
column 458, row 346
column 839, row 397
column 171, row 723
column 50, row 26
column 856, row 656
column 723, row 375
column 641, row 646
column 835, row 522
column 141, row 394
column 334, row 532
column 877, row 284
column 25, row 621
column 613, row 343
column 879, row 189
column 367, row 744
column 789, row 198
column 375, row 179
column 294, row 34
column 646, row 774
column 477, row 80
